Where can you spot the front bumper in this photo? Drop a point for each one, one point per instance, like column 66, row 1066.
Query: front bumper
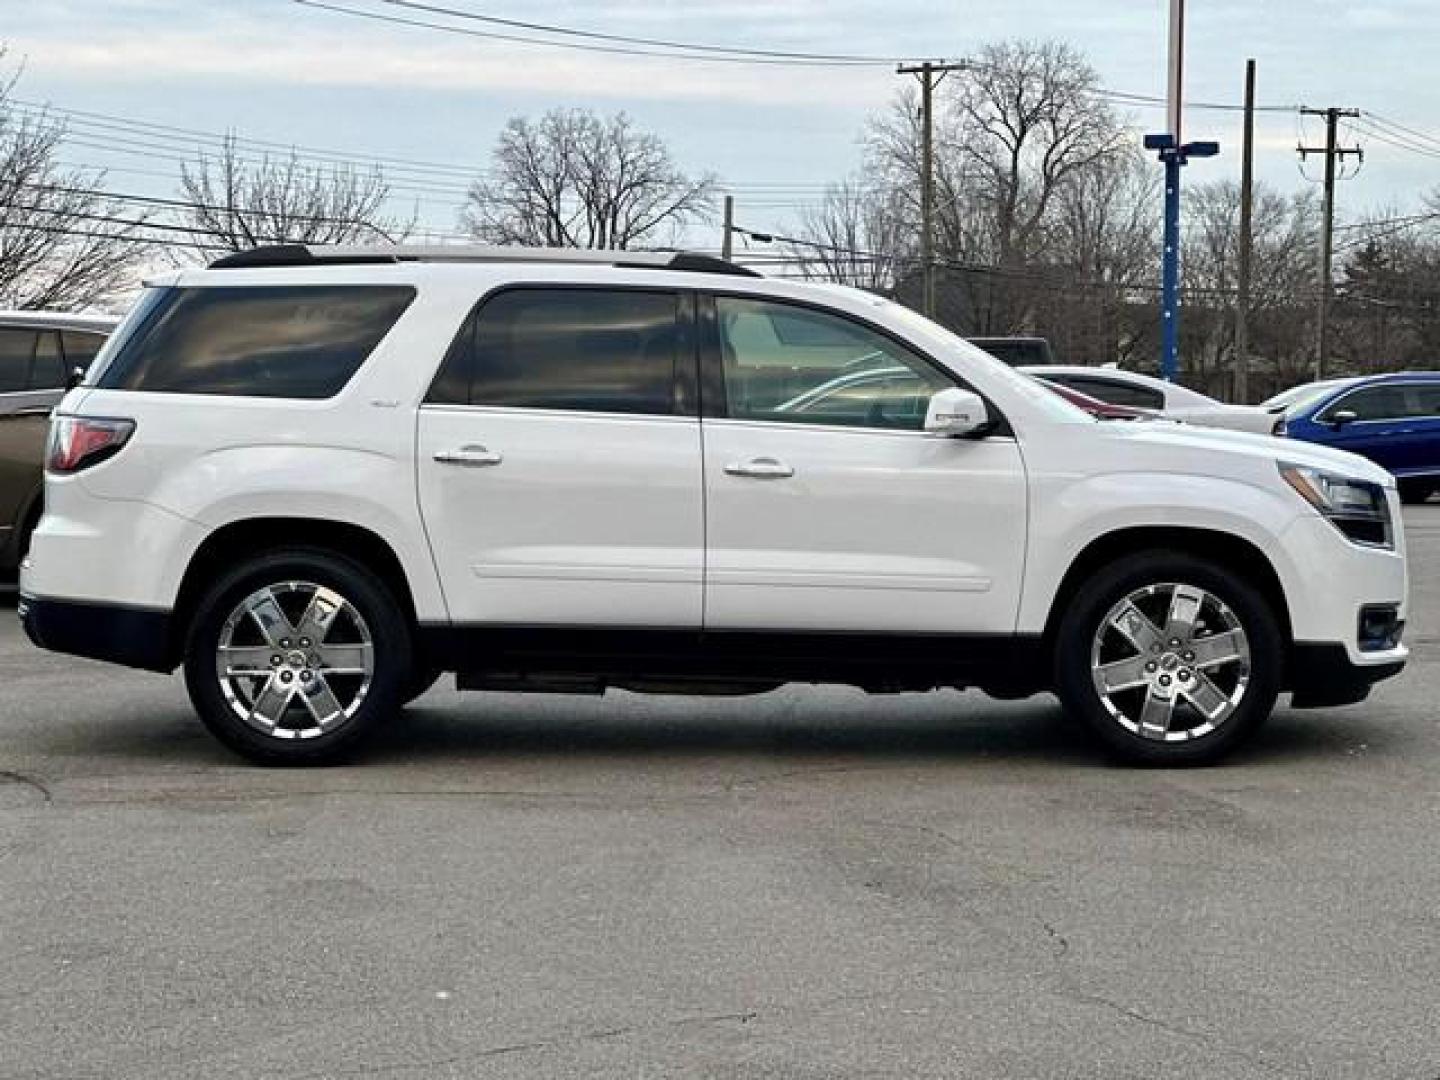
column 1323, row 675
column 134, row 637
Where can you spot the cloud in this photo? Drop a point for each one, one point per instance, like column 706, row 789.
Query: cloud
column 340, row 63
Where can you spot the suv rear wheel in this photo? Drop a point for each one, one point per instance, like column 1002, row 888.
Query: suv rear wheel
column 296, row 656
column 1169, row 658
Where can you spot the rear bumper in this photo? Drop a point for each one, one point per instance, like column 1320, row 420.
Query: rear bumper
column 1323, row 675
column 134, row 637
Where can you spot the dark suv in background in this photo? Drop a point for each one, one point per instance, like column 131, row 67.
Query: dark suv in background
column 38, row 352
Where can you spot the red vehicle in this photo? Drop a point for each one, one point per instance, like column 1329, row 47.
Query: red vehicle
column 1101, row 410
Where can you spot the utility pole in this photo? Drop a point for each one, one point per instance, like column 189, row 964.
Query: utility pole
column 727, row 243
column 930, row 74
column 1331, row 151
column 1247, row 203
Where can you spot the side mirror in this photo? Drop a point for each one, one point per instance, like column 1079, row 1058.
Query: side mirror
column 956, row 414
column 1343, row 417
column 75, row 378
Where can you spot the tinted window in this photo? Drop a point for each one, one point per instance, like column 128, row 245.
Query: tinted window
column 303, row 341
column 1374, row 403
column 1425, row 399
column 1017, row 352
column 795, row 365
column 1117, row 393
column 590, row 350
column 16, row 349
column 80, row 347
column 48, row 370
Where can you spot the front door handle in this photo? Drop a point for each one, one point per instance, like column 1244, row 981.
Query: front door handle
column 472, row 456
column 760, row 468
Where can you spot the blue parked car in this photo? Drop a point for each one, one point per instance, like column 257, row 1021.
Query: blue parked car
column 1394, row 420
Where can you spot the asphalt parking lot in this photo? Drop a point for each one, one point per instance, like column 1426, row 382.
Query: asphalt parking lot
column 809, row 884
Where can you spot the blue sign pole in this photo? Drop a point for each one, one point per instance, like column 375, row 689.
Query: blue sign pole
column 1170, row 270
column 1174, row 158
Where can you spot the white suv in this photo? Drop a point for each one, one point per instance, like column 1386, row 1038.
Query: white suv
column 317, row 478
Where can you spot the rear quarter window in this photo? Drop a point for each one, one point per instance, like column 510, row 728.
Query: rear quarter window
column 301, row 341
column 17, row 347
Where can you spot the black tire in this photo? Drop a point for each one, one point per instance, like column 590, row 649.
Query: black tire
column 422, row 678
column 389, row 640
column 1415, row 491
column 1076, row 642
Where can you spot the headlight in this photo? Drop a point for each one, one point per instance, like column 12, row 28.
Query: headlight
column 1358, row 508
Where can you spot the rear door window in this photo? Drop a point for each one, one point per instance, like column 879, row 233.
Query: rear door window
column 1425, row 400
column 17, row 347
column 582, row 350
column 294, row 341
column 80, row 348
column 47, row 372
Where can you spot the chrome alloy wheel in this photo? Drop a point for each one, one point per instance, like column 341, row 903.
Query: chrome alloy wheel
column 295, row 660
column 1170, row 662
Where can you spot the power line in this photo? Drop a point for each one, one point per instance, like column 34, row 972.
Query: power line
column 1376, row 118
column 188, row 204
column 174, row 133
column 1401, row 143
column 546, row 28
column 620, row 50
column 638, row 46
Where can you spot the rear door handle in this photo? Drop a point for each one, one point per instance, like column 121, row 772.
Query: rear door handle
column 471, row 456
column 760, row 468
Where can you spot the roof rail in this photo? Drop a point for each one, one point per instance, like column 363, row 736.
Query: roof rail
column 346, row 254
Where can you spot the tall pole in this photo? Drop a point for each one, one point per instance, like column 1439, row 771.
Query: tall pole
column 1327, row 225
column 1170, row 271
column 727, row 243
column 1174, row 154
column 927, row 187
column 930, row 74
column 1175, row 95
column 1247, row 196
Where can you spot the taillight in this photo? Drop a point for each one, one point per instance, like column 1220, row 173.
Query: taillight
column 78, row 442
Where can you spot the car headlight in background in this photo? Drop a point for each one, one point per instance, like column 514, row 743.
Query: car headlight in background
column 1358, row 508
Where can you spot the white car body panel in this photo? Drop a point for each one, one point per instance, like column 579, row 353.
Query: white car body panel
column 589, row 518
column 1180, row 402
column 876, row 531
column 793, row 553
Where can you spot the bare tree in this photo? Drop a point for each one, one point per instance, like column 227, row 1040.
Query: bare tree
column 238, row 203
column 1106, row 233
column 1013, row 133
column 1282, row 292
column 63, row 243
column 573, row 179
column 856, row 236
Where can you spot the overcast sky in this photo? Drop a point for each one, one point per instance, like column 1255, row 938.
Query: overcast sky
column 273, row 69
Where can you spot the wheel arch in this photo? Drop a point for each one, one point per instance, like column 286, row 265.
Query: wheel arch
column 1232, row 551
column 251, row 536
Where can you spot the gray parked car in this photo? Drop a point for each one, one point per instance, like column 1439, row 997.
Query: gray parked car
column 39, row 350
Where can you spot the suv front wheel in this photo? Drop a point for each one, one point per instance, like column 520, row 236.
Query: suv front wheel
column 1169, row 658
column 296, row 656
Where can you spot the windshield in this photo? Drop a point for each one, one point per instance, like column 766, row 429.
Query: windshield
column 1056, row 407
column 1302, row 397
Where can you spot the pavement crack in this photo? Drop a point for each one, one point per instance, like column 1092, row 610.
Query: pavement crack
column 25, row 780
column 1205, row 1037
column 429, row 1064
